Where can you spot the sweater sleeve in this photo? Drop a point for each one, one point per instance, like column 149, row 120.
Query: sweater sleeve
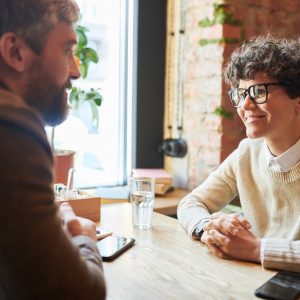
column 281, row 254
column 38, row 259
column 211, row 196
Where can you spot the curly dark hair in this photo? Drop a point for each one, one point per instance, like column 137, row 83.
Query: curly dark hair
column 34, row 19
column 279, row 58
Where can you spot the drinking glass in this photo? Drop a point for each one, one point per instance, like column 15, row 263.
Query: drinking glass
column 142, row 199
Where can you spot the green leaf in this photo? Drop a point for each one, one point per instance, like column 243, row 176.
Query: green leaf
column 204, row 42
column 221, row 16
column 78, row 96
column 220, row 111
column 73, row 94
column 98, row 100
column 81, row 36
column 85, row 54
column 90, row 54
column 206, row 23
column 83, row 69
column 92, row 96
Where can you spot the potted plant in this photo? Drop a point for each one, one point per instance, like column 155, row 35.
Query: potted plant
column 64, row 159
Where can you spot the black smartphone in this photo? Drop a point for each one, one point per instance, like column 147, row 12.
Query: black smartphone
column 283, row 286
column 112, row 246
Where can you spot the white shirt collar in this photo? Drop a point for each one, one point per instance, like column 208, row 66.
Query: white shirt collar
column 286, row 160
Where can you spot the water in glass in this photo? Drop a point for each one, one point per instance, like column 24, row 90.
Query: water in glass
column 142, row 208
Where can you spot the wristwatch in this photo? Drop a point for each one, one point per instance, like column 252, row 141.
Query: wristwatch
column 198, row 230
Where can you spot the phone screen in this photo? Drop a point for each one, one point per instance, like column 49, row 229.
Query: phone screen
column 112, row 246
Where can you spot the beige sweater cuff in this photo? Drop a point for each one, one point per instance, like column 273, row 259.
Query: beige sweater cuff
column 281, row 254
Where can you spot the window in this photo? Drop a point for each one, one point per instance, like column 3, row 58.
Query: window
column 103, row 155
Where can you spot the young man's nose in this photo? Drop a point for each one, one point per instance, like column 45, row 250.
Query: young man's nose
column 248, row 103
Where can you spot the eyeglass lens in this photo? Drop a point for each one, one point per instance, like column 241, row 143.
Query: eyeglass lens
column 256, row 92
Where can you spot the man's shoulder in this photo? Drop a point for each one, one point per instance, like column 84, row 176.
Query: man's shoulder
column 20, row 115
column 14, row 111
column 21, row 119
column 247, row 144
column 250, row 147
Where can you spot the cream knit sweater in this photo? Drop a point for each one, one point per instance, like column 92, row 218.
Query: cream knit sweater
column 270, row 202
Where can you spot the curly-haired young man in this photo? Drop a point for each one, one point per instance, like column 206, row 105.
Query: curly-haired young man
column 264, row 171
column 39, row 258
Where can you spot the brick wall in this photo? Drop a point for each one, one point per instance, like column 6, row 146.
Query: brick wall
column 211, row 137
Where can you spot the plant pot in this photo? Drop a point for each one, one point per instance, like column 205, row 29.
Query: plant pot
column 63, row 162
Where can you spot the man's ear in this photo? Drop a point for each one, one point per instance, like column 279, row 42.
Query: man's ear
column 13, row 51
column 298, row 105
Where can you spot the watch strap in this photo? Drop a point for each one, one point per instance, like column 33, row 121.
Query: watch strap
column 198, row 230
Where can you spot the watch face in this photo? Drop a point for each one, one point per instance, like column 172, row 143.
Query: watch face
column 199, row 230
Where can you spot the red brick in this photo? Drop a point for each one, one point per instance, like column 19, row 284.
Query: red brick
column 233, row 32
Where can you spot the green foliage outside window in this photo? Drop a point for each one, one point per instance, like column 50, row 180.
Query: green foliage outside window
column 86, row 55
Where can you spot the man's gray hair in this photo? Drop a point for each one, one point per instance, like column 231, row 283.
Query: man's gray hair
column 32, row 20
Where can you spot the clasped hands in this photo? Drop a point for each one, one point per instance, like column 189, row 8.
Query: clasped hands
column 230, row 235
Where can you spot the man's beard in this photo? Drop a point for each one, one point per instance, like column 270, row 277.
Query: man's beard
column 47, row 97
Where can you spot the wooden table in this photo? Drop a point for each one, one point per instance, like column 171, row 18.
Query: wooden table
column 165, row 263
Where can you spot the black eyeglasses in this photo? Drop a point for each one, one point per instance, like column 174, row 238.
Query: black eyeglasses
column 258, row 93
